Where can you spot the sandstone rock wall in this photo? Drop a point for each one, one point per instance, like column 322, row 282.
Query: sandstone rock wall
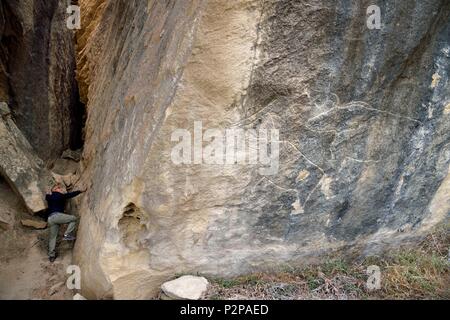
column 37, row 78
column 363, row 120
column 20, row 166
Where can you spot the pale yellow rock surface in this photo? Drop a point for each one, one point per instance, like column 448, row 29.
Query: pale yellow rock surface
column 357, row 150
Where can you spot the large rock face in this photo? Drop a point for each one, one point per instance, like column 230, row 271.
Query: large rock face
column 20, row 166
column 37, row 74
column 363, row 120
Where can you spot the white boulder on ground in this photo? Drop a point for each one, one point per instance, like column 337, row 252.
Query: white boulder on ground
column 185, row 288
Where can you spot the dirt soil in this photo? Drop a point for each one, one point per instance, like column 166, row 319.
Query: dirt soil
column 25, row 271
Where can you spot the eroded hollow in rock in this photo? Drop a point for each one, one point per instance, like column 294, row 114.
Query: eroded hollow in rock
column 132, row 227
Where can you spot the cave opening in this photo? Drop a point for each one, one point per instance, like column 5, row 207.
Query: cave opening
column 78, row 122
column 78, row 112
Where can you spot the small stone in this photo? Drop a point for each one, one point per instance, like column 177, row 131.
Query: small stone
column 6, row 220
column 78, row 297
column 53, row 278
column 65, row 167
column 164, row 296
column 66, row 180
column 4, row 109
column 185, row 288
column 74, row 155
column 55, row 288
column 34, row 224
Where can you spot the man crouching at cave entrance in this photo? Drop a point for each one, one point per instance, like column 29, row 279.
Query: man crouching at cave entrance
column 56, row 203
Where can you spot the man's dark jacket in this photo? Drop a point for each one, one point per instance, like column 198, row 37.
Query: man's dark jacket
column 57, row 201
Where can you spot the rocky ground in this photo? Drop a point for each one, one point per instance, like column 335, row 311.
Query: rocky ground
column 25, row 272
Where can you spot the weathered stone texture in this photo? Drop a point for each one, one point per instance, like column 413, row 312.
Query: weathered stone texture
column 20, row 166
column 363, row 119
column 185, row 288
column 37, row 78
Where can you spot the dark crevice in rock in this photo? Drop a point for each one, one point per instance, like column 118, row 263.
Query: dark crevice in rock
column 78, row 118
column 37, row 75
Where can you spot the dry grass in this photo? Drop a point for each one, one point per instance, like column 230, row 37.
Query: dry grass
column 420, row 273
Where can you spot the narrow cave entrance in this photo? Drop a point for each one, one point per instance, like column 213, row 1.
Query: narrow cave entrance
column 78, row 112
column 78, row 122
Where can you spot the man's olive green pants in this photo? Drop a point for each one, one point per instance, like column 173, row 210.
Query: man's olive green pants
column 54, row 221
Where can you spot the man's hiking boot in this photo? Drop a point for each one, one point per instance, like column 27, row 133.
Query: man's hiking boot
column 52, row 258
column 68, row 237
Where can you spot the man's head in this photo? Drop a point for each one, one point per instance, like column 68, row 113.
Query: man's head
column 57, row 188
